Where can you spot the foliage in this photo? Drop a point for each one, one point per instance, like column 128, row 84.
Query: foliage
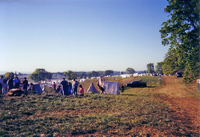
column 181, row 32
column 70, row 75
column 40, row 74
column 150, row 68
column 8, row 75
column 170, row 64
column 159, row 67
column 130, row 70
column 108, row 72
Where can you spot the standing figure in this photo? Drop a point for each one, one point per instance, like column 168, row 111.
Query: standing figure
column 64, row 83
column 16, row 82
column 74, row 87
column 10, row 84
column 25, row 84
column 122, row 88
column 1, row 84
column 54, row 86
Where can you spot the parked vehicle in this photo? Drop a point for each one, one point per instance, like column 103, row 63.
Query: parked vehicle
column 178, row 74
column 136, row 84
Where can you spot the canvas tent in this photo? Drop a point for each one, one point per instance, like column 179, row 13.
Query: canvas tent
column 111, row 87
column 38, row 88
column 92, row 89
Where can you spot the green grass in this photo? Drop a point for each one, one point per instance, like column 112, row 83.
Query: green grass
column 117, row 115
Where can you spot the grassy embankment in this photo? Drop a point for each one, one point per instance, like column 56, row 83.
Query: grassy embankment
column 137, row 111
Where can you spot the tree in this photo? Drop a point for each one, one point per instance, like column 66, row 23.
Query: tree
column 159, row 67
column 150, row 68
column 95, row 74
column 130, row 70
column 109, row 72
column 89, row 74
column 181, row 32
column 40, row 74
column 70, row 75
column 7, row 76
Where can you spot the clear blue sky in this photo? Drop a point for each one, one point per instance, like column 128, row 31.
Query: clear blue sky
column 81, row 35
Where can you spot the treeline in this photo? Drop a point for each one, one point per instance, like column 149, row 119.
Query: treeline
column 41, row 74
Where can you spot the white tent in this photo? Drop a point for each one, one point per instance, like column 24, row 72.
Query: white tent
column 92, row 89
column 111, row 87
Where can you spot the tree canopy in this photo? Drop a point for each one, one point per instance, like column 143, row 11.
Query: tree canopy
column 130, row 70
column 159, row 67
column 150, row 68
column 181, row 33
column 40, row 74
column 70, row 75
column 108, row 72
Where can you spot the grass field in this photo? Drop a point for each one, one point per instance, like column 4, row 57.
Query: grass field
column 135, row 112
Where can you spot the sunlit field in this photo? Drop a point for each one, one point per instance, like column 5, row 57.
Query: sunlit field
column 136, row 112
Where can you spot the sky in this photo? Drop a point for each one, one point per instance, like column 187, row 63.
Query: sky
column 81, row 35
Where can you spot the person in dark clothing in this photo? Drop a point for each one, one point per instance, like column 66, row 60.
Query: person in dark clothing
column 122, row 88
column 64, row 83
column 31, row 87
column 1, row 84
column 10, row 84
column 17, row 83
column 25, row 84
column 54, row 86
column 58, row 89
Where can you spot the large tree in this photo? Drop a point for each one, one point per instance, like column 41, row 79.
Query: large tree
column 108, row 72
column 159, row 67
column 70, row 75
column 150, row 68
column 130, row 70
column 40, row 74
column 181, row 33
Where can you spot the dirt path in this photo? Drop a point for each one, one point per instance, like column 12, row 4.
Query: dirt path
column 180, row 99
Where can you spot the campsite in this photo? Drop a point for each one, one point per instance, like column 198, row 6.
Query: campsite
column 166, row 107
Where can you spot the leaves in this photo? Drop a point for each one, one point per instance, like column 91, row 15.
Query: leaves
column 40, row 74
column 181, row 32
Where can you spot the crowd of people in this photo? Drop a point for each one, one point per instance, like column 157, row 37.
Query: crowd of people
column 65, row 87
column 12, row 83
column 69, row 88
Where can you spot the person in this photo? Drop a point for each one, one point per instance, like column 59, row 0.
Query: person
column 16, row 82
column 122, row 88
column 31, row 87
column 25, row 84
column 74, row 87
column 81, row 91
column 10, row 83
column 101, row 88
column 58, row 89
column 64, row 83
column 1, row 84
column 70, row 87
column 54, row 86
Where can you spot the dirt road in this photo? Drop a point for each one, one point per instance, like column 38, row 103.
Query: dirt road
column 182, row 98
